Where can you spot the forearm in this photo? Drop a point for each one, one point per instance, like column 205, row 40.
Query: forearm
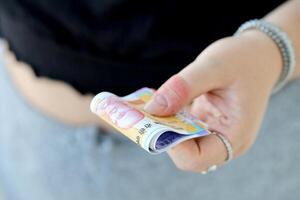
column 287, row 17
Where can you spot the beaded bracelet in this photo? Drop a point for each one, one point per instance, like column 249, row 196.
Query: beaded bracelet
column 283, row 43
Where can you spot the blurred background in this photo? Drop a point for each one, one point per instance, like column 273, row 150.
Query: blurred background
column 112, row 167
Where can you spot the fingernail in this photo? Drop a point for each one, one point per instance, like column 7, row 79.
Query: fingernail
column 156, row 105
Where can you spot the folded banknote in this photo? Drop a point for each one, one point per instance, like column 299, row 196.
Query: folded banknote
column 152, row 133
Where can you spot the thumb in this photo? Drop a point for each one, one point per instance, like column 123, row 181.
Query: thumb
column 180, row 90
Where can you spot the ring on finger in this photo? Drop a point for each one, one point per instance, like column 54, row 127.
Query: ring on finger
column 229, row 151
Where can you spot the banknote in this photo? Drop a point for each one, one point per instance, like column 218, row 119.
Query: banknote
column 152, row 133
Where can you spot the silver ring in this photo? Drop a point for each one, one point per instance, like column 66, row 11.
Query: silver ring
column 227, row 144
column 229, row 151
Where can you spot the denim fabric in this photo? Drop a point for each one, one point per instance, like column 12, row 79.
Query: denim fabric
column 44, row 159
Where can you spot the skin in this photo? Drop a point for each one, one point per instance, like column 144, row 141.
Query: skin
column 228, row 85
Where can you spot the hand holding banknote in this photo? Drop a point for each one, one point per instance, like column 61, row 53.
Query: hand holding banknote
column 152, row 133
column 228, row 86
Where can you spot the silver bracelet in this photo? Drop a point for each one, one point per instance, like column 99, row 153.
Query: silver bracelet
column 283, row 43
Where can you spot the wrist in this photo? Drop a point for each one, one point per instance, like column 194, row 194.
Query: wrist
column 265, row 56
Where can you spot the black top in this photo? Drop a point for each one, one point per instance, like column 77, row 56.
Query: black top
column 118, row 45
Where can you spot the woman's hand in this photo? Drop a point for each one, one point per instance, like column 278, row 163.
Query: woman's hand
column 228, row 86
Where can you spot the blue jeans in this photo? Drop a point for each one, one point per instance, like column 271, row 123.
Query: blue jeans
column 41, row 159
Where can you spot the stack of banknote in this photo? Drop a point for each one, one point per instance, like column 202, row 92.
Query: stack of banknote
column 152, row 133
